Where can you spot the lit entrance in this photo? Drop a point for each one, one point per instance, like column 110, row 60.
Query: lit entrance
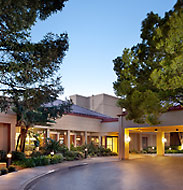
column 112, row 143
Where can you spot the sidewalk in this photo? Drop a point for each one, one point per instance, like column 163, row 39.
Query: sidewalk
column 19, row 180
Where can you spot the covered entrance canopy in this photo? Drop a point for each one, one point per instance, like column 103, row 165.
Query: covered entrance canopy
column 171, row 121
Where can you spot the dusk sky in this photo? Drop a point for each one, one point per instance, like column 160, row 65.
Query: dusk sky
column 98, row 32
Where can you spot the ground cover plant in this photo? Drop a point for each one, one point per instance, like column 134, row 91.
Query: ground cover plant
column 53, row 152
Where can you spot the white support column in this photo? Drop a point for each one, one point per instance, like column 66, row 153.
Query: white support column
column 75, row 140
column 123, row 142
column 86, row 137
column 99, row 140
column 58, row 136
column 68, row 139
column 140, row 142
column 48, row 133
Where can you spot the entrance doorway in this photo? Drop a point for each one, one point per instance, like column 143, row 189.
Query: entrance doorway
column 112, row 143
column 144, row 142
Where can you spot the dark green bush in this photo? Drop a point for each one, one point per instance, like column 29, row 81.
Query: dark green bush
column 67, row 158
column 63, row 149
column 69, row 154
column 2, row 156
column 28, row 163
column 78, row 155
column 35, row 154
column 17, row 156
column 11, row 169
column 52, row 145
column 57, row 158
column 4, row 171
column 45, row 161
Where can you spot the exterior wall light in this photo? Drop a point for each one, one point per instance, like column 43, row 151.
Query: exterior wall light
column 52, row 153
column 127, row 139
column 153, row 147
column 123, row 110
column 86, row 152
column 9, row 156
column 164, row 140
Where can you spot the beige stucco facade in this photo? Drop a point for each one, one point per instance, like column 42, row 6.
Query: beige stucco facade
column 7, row 131
column 83, row 128
column 102, row 103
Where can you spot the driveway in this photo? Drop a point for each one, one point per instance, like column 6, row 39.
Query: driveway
column 143, row 173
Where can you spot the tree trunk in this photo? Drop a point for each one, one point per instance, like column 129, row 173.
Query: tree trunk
column 23, row 138
column 18, row 140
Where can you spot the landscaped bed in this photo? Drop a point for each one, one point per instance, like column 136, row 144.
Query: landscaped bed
column 53, row 153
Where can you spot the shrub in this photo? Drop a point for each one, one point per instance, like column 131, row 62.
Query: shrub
column 17, row 156
column 2, row 155
column 52, row 145
column 78, row 155
column 63, row 149
column 69, row 158
column 57, row 158
column 28, row 163
column 36, row 154
column 4, row 171
column 11, row 169
column 45, row 161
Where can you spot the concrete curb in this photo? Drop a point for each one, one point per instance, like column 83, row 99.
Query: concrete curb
column 27, row 185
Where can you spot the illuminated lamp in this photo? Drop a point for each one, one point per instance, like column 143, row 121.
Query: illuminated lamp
column 127, row 139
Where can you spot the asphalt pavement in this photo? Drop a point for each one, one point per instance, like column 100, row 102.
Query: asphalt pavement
column 141, row 173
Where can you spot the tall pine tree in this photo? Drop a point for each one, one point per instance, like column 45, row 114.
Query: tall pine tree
column 150, row 75
column 28, row 70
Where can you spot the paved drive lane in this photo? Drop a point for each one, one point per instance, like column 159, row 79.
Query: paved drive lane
column 150, row 173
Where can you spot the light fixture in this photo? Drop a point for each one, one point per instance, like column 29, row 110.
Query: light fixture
column 153, row 147
column 9, row 155
column 52, row 153
column 181, row 146
column 155, row 130
column 164, row 140
column 170, row 148
column 86, row 152
column 127, row 139
column 177, row 129
column 123, row 110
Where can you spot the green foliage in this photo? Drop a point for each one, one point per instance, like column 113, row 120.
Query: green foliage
column 11, row 168
column 29, row 163
column 2, row 156
column 93, row 150
column 52, row 145
column 40, row 161
column 149, row 75
column 3, row 171
column 36, row 154
column 150, row 150
column 73, row 155
column 57, row 158
column 18, row 156
column 28, row 70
